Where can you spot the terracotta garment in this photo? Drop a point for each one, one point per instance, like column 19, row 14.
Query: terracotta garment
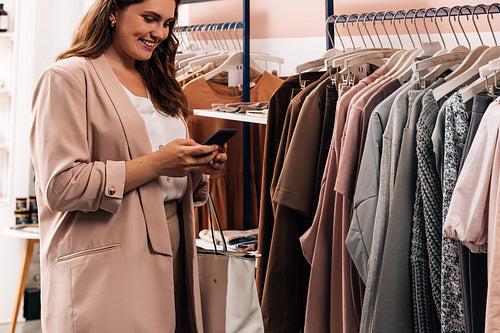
column 227, row 187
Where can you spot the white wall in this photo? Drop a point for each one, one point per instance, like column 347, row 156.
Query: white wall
column 44, row 29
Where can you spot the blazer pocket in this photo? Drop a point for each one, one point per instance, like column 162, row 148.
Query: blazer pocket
column 95, row 250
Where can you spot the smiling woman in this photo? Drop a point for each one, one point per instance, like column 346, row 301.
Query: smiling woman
column 118, row 177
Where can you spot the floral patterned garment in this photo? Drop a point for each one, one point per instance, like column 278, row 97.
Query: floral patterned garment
column 456, row 128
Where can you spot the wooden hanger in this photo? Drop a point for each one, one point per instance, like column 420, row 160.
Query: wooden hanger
column 233, row 60
column 447, row 87
column 480, row 85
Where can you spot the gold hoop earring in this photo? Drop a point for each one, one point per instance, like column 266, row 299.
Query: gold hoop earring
column 113, row 23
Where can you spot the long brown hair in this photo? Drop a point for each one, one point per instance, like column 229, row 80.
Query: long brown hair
column 94, row 35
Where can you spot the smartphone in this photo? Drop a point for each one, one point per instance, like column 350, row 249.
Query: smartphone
column 220, row 137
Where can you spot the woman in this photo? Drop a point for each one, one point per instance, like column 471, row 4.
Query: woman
column 112, row 160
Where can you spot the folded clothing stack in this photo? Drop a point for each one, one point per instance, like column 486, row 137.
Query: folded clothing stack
column 241, row 107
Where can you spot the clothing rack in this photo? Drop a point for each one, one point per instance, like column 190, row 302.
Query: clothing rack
column 245, row 25
column 413, row 14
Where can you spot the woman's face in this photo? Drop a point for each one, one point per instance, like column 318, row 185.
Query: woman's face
column 141, row 27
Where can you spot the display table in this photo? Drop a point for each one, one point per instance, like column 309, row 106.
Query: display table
column 31, row 237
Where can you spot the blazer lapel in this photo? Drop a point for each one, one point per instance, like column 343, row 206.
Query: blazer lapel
column 139, row 145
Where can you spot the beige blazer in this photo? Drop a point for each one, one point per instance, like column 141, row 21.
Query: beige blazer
column 106, row 258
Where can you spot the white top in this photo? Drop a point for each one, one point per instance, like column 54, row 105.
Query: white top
column 162, row 129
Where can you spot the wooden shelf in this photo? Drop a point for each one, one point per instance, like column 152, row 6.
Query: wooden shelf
column 231, row 116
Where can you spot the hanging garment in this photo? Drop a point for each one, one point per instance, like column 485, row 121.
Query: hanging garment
column 287, row 132
column 456, row 126
column 473, row 266
column 323, row 242
column 361, row 231
column 427, row 223
column 284, row 299
column 393, row 309
column 275, row 121
column 227, row 187
column 475, row 224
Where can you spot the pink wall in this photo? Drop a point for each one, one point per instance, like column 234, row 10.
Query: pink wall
column 306, row 18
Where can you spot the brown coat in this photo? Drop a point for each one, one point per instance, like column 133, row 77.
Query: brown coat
column 106, row 258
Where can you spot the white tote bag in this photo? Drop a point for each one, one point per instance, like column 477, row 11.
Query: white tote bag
column 229, row 298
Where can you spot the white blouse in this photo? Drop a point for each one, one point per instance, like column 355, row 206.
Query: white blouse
column 162, row 129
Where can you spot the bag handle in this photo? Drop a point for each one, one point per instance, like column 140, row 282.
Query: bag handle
column 211, row 209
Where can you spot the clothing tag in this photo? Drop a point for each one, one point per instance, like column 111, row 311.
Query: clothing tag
column 431, row 48
column 235, row 76
column 240, row 87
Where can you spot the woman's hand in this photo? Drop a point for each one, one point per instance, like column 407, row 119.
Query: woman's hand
column 182, row 156
column 218, row 162
column 176, row 159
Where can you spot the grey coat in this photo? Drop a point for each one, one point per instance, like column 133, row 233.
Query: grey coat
column 393, row 309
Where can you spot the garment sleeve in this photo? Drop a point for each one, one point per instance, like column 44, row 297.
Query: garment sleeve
column 467, row 218
column 68, row 178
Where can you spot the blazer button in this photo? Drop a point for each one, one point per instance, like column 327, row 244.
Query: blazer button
column 112, row 190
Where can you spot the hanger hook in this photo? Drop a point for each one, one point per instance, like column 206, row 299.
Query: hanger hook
column 414, row 21
column 425, row 25
column 374, row 28
column 346, row 24
column 327, row 25
column 336, row 27
column 395, row 29
column 385, row 29
column 222, row 28
column 213, row 30
column 474, row 21
column 406, row 26
column 368, row 32
column 197, row 36
column 359, row 29
column 437, row 26
column 237, row 26
column 423, row 21
column 460, row 22
column 451, row 25
column 489, row 22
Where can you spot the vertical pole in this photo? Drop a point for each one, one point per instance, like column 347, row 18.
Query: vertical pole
column 329, row 12
column 246, row 126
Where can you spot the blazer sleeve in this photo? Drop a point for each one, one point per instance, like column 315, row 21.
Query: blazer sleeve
column 67, row 177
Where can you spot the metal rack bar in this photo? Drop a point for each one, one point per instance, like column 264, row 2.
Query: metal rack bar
column 413, row 13
column 246, row 126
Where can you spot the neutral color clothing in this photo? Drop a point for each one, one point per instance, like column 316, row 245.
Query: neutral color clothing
column 362, row 230
column 96, row 241
column 475, row 224
column 456, row 126
column 473, row 266
column 156, row 123
column 393, row 309
column 293, row 204
column 278, row 105
column 323, row 243
column 180, row 295
column 227, row 186
column 291, row 117
column 359, row 237
column 326, row 138
column 425, row 257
